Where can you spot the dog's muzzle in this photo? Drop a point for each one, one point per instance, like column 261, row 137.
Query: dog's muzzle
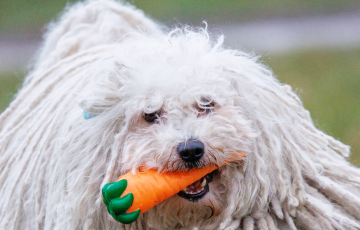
column 191, row 151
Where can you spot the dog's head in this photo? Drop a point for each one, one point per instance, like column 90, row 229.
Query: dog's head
column 181, row 102
column 167, row 102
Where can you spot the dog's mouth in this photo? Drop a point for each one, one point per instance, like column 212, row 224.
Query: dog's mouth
column 198, row 189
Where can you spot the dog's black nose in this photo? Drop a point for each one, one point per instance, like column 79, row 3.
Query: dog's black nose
column 191, row 151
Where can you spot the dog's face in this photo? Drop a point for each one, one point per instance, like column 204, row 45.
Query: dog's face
column 185, row 121
column 179, row 106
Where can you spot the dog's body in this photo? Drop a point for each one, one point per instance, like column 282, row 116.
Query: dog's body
column 147, row 93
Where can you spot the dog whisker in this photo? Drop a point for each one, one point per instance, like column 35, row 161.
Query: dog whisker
column 178, row 213
column 211, row 208
column 212, row 155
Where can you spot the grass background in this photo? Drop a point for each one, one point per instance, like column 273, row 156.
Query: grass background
column 328, row 81
column 30, row 15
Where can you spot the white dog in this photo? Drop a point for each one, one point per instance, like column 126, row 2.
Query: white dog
column 145, row 93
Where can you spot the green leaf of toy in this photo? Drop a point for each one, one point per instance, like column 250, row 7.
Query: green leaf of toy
column 127, row 218
column 115, row 190
column 111, row 212
column 120, row 205
column 103, row 191
column 116, row 205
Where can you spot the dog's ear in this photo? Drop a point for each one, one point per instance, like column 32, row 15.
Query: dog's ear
column 91, row 23
column 103, row 93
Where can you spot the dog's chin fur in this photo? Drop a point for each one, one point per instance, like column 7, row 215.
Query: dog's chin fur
column 108, row 59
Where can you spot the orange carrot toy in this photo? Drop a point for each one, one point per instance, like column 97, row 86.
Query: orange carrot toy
column 149, row 188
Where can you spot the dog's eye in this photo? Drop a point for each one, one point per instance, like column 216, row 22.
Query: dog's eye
column 151, row 117
column 206, row 108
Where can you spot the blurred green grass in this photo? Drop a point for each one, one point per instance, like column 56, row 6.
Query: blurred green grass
column 327, row 81
column 215, row 11
column 30, row 15
column 10, row 82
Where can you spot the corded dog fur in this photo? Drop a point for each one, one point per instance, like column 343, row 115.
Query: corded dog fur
column 148, row 91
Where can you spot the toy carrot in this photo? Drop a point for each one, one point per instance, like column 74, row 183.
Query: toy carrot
column 149, row 188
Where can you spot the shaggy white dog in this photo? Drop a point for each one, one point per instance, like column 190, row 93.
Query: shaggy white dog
column 147, row 93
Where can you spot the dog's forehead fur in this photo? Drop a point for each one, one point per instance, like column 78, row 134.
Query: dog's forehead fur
column 180, row 68
column 110, row 60
column 176, row 71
